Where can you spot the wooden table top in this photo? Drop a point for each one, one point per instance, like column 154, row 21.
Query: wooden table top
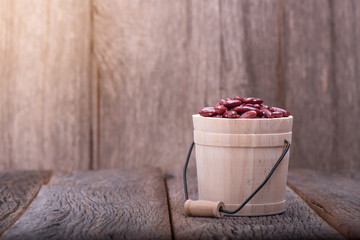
column 144, row 204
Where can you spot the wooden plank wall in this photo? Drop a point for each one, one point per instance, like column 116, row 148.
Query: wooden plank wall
column 160, row 61
column 322, row 74
column 120, row 91
column 44, row 84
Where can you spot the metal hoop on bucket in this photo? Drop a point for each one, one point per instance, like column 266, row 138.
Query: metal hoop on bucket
column 221, row 210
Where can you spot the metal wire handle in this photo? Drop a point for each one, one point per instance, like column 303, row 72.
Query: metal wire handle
column 253, row 194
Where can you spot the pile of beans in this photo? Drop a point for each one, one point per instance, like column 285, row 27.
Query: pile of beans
column 243, row 107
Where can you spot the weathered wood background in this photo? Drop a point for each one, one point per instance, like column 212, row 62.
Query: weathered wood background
column 108, row 84
column 44, row 84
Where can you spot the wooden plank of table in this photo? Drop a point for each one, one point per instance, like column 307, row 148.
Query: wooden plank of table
column 105, row 204
column 298, row 222
column 17, row 190
column 334, row 196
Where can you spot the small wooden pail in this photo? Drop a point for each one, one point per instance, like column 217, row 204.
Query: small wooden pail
column 234, row 156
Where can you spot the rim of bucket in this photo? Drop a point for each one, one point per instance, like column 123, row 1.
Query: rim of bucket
column 243, row 125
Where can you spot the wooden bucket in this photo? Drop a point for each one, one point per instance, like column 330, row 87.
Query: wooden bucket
column 234, row 156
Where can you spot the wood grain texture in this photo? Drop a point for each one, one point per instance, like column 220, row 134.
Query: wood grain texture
column 346, row 64
column 308, row 70
column 17, row 190
column 298, row 222
column 321, row 69
column 118, row 81
column 249, row 40
column 334, row 196
column 44, row 84
column 159, row 62
column 106, row 204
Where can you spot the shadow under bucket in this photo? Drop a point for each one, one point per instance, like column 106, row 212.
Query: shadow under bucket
column 234, row 156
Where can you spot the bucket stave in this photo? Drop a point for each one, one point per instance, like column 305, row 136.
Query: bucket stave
column 233, row 157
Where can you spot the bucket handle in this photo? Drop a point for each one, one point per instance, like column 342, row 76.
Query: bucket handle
column 252, row 195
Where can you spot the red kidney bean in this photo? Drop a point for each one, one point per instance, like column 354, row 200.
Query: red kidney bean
column 277, row 109
column 253, row 100
column 245, row 108
column 230, row 114
column 207, row 111
column 273, row 109
column 249, row 114
column 256, row 105
column 223, row 100
column 267, row 113
column 220, row 109
column 237, row 109
column 262, row 106
column 239, row 98
column 277, row 114
column 232, row 103
column 249, row 104
column 286, row 113
column 242, row 108
column 217, row 104
column 218, row 116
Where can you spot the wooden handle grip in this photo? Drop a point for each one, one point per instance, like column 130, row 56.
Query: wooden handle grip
column 203, row 208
